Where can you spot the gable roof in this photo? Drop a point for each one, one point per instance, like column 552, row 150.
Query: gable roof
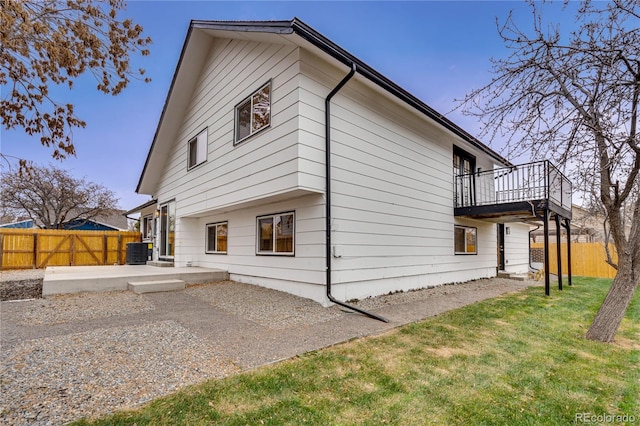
column 296, row 32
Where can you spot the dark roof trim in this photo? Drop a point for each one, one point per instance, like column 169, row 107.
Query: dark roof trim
column 374, row 76
column 140, row 207
column 337, row 52
column 166, row 103
column 333, row 50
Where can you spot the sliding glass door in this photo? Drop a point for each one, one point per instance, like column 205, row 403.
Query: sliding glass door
column 167, row 229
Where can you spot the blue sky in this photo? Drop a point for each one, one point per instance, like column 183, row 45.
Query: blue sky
column 439, row 51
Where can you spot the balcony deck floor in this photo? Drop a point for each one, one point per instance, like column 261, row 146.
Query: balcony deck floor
column 521, row 211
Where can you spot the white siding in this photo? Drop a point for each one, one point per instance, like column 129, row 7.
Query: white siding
column 392, row 198
column 301, row 274
column 516, row 248
column 261, row 166
column 393, row 221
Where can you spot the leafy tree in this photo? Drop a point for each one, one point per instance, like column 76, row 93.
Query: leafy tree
column 573, row 98
column 51, row 196
column 44, row 42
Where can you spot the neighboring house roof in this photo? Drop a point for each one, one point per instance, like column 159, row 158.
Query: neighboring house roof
column 76, row 225
column 115, row 220
column 88, row 225
column 23, row 224
column 193, row 55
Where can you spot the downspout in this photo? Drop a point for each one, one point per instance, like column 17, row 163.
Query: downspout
column 329, row 253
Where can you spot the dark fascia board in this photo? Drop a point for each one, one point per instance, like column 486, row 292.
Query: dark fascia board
column 166, row 103
column 312, row 36
column 374, row 76
column 323, row 43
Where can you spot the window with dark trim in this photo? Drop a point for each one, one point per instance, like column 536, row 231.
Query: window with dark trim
column 253, row 114
column 464, row 165
column 276, row 234
column 466, row 240
column 216, row 238
column 197, row 150
column 147, row 227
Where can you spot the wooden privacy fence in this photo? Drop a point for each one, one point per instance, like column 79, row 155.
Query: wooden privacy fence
column 587, row 259
column 39, row 248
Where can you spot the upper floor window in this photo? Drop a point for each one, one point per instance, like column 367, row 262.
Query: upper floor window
column 197, row 149
column 276, row 234
column 464, row 165
column 253, row 113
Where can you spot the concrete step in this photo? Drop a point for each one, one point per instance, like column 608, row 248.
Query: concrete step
column 508, row 275
column 155, row 286
column 76, row 279
column 160, row 263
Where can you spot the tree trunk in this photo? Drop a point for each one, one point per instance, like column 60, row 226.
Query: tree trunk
column 608, row 319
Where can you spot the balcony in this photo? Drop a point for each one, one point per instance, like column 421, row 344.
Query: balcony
column 520, row 193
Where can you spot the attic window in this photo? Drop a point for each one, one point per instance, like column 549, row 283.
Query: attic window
column 253, row 114
column 197, row 150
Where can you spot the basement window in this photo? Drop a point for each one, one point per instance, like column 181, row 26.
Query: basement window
column 253, row 114
column 217, row 238
column 276, row 234
column 466, row 238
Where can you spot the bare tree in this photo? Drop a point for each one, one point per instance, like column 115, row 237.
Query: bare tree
column 573, row 97
column 51, row 197
column 45, row 42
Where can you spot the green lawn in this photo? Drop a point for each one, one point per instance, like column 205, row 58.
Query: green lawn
column 520, row 359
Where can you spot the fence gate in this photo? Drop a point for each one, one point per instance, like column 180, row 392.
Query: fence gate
column 39, row 248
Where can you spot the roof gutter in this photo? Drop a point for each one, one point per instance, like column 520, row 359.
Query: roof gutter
column 329, row 254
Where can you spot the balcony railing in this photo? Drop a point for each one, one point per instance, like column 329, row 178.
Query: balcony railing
column 533, row 181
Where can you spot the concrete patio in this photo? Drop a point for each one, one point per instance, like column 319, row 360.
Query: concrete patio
column 79, row 279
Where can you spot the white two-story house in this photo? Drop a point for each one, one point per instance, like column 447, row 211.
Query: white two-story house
column 285, row 160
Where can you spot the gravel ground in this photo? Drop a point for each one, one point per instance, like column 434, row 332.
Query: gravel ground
column 72, row 307
column 91, row 373
column 451, row 290
column 88, row 354
column 272, row 309
column 21, row 284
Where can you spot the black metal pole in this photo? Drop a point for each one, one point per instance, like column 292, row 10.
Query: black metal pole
column 567, row 226
column 547, row 290
column 559, row 250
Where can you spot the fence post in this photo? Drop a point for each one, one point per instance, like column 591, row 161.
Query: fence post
column 1, row 250
column 35, row 251
column 105, row 248
column 119, row 249
column 72, row 250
